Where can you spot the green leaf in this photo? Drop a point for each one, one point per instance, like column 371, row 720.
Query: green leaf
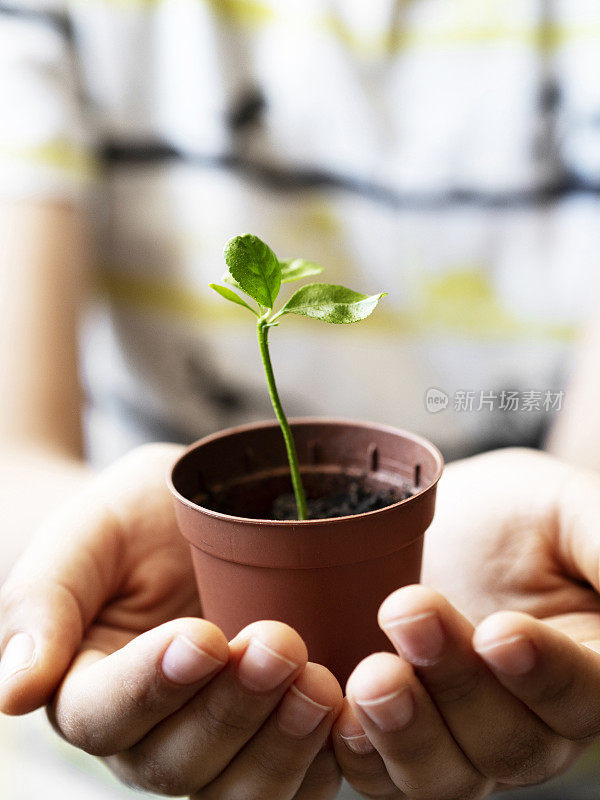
column 331, row 303
column 231, row 281
column 232, row 296
column 228, row 279
column 294, row 269
column 255, row 267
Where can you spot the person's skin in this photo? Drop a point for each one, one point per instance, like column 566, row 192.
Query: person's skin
column 512, row 702
column 43, row 258
column 575, row 435
column 43, row 270
column 62, row 595
column 101, row 620
column 506, row 691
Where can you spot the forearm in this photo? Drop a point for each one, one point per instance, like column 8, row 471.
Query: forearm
column 42, row 254
column 42, row 268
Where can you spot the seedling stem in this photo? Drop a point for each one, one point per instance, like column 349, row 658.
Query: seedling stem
column 263, row 343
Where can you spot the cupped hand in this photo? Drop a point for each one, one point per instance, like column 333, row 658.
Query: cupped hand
column 100, row 620
column 461, row 711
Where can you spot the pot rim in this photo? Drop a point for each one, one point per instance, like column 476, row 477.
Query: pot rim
column 296, row 421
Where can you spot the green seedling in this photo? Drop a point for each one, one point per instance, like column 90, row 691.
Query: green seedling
column 255, row 270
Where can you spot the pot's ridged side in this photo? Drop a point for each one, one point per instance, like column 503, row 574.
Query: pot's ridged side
column 326, row 578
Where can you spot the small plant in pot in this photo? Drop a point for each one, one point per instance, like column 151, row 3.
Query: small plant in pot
column 323, row 556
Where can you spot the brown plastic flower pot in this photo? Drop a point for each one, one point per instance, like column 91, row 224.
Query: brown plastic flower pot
column 326, row 578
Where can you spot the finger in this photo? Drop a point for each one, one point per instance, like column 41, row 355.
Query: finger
column 274, row 763
column 404, row 725
column 107, row 703
column 557, row 678
column 188, row 750
column 361, row 764
column 323, row 778
column 501, row 737
column 71, row 568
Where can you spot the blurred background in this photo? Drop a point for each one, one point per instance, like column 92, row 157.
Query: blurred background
column 444, row 151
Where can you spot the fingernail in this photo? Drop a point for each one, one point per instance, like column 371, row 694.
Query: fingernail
column 185, row 663
column 298, row 715
column 392, row 712
column 358, row 743
column 419, row 638
column 18, row 655
column 262, row 669
column 513, row 656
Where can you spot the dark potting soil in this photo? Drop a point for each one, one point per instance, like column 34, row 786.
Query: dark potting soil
column 356, row 499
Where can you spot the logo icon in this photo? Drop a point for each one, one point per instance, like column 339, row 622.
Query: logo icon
column 436, row 400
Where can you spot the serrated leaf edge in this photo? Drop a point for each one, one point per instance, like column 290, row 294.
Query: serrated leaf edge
column 373, row 297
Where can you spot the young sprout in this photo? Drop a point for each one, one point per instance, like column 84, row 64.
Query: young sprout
column 255, row 270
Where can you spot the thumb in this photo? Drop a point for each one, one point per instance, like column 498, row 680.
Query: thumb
column 51, row 596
